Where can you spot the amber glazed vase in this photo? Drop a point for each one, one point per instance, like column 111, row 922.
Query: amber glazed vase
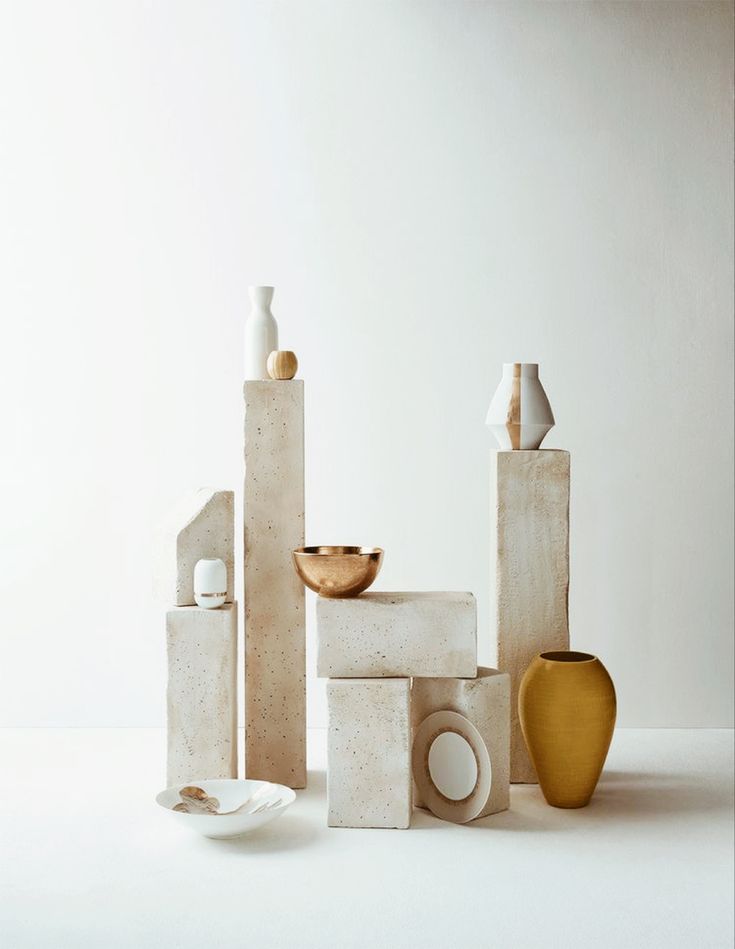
column 567, row 709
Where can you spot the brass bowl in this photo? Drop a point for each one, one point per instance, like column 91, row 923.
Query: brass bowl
column 337, row 571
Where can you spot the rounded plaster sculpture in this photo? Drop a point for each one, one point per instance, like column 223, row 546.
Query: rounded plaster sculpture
column 210, row 583
column 282, row 364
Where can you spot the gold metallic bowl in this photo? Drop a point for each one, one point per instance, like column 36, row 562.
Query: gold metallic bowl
column 337, row 571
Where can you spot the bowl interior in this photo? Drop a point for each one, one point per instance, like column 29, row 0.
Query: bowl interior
column 230, row 792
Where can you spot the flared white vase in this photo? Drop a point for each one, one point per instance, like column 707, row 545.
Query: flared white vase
column 261, row 333
column 520, row 415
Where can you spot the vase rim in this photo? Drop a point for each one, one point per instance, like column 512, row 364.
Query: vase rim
column 567, row 655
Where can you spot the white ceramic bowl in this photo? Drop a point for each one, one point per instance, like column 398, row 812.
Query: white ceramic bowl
column 230, row 793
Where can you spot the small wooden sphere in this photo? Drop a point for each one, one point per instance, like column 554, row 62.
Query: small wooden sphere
column 282, row 364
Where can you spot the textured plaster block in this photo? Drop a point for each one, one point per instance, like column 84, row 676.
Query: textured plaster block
column 484, row 701
column 397, row 634
column 529, row 569
column 202, row 693
column 202, row 525
column 369, row 773
column 275, row 634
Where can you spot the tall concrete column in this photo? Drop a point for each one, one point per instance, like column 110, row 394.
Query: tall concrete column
column 275, row 630
column 529, row 550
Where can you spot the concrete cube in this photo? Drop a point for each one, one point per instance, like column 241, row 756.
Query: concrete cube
column 275, row 630
column 397, row 634
column 485, row 702
column 369, row 743
column 201, row 526
column 529, row 549
column 202, row 693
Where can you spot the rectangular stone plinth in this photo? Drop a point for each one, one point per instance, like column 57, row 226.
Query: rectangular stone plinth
column 369, row 743
column 529, row 550
column 485, row 702
column 275, row 634
column 397, row 634
column 201, row 526
column 202, row 693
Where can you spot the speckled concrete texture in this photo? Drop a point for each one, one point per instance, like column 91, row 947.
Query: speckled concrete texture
column 369, row 751
column 202, row 693
column 275, row 632
column 397, row 634
column 202, row 525
column 484, row 701
column 529, row 588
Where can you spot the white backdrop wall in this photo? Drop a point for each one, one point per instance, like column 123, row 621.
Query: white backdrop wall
column 433, row 188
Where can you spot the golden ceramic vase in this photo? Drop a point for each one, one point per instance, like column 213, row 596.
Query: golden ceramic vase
column 567, row 709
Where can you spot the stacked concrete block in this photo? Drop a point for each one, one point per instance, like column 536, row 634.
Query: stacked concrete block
column 483, row 701
column 202, row 693
column 372, row 648
column 397, row 634
column 275, row 632
column 369, row 781
column 529, row 569
column 201, row 527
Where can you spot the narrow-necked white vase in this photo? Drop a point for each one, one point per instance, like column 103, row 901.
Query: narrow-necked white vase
column 261, row 333
column 520, row 415
column 210, row 583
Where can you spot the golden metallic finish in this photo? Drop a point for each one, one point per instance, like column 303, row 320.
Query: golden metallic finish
column 282, row 364
column 567, row 709
column 337, row 571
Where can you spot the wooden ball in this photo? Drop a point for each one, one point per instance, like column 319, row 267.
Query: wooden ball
column 282, row 364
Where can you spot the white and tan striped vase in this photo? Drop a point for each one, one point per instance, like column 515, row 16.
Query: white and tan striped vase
column 520, row 415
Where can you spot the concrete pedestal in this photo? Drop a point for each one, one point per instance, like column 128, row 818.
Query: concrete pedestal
column 529, row 549
column 369, row 771
column 202, row 693
column 275, row 635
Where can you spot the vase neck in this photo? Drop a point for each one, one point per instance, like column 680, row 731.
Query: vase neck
column 526, row 370
column 261, row 297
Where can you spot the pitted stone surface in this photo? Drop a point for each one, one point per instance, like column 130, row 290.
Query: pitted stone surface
column 202, row 526
column 484, row 701
column 202, row 693
column 529, row 550
column 369, row 771
column 275, row 631
column 397, row 634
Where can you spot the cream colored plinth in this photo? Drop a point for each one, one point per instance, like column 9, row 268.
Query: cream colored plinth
column 275, row 662
column 369, row 769
column 397, row 634
column 484, row 701
column 202, row 693
column 202, row 526
column 529, row 549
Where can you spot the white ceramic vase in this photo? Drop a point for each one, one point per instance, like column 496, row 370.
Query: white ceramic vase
column 210, row 583
column 261, row 333
column 520, row 415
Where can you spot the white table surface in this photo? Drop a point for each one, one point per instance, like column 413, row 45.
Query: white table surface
column 87, row 859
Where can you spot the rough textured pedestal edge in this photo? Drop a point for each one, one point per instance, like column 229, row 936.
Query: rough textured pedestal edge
column 202, row 526
column 484, row 701
column 397, row 634
column 202, row 693
column 275, row 631
column 369, row 744
column 529, row 569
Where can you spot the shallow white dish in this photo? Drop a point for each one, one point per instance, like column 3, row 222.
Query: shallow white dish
column 231, row 794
